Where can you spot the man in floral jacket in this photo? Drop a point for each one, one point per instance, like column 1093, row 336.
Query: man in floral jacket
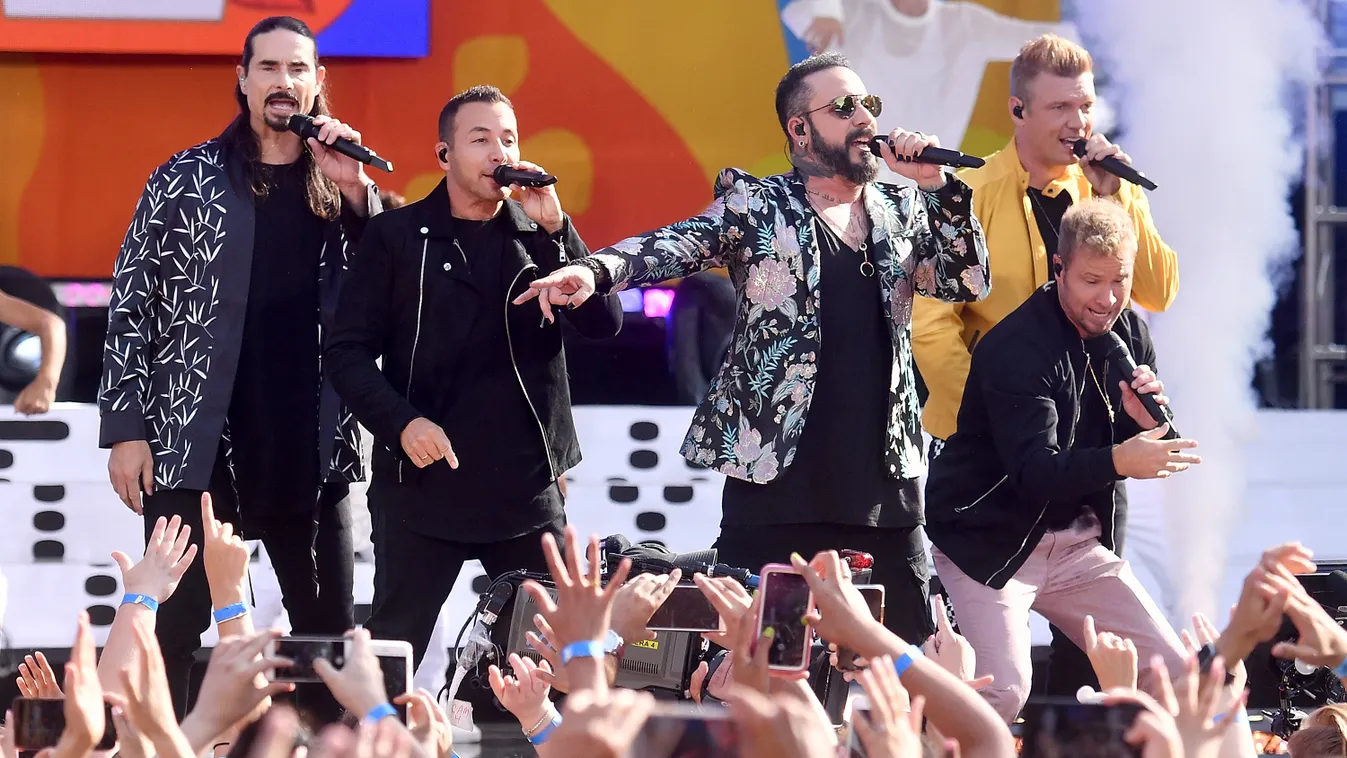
column 825, row 233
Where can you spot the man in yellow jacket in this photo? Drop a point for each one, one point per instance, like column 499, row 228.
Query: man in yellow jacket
column 1020, row 197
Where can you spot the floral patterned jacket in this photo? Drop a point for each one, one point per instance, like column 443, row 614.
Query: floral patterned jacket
column 749, row 425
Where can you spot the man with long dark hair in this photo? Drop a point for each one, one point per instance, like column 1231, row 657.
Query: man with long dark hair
column 212, row 375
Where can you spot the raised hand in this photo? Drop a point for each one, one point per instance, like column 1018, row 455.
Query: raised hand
column 638, row 599
column 584, row 606
column 600, row 724
column 36, row 679
column 236, row 684
column 224, row 556
column 167, row 556
column 1194, row 701
column 525, row 693
column 952, row 651
column 1113, row 658
column 358, row 685
column 428, row 724
column 889, row 732
column 84, row 714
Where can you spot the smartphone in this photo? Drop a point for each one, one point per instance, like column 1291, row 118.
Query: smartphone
column 38, row 723
column 874, row 598
column 786, row 598
column 395, row 660
column 1060, row 727
column 685, row 610
column 675, row 730
column 860, row 709
column 303, row 651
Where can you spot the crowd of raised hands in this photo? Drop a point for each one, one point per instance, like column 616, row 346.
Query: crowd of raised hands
column 923, row 700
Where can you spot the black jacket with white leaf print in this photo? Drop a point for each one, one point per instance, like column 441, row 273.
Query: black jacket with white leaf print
column 749, row 425
column 175, row 320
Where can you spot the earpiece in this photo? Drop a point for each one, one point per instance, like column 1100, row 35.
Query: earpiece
column 444, row 155
column 799, row 129
column 1018, row 111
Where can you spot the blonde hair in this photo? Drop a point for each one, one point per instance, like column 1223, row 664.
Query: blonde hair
column 1048, row 54
column 1098, row 224
column 1317, row 742
column 1334, row 716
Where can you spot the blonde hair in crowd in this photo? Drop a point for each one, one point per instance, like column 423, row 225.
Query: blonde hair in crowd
column 1048, row 54
column 1098, row 224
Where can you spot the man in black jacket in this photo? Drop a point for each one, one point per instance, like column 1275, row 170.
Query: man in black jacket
column 1025, row 503
column 471, row 412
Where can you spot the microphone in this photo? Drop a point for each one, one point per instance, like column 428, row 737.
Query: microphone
column 1115, row 167
column 1117, row 350
column 303, row 126
column 938, row 155
column 507, row 175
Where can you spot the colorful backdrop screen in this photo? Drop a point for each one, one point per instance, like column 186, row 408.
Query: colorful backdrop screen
column 383, row 28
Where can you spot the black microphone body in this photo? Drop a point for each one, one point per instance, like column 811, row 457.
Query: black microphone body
column 1117, row 350
column 938, row 155
column 1115, row 167
column 507, row 175
column 303, row 126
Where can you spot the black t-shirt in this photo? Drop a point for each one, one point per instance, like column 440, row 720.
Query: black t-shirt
column 273, row 413
column 838, row 475
column 486, row 415
column 1048, row 212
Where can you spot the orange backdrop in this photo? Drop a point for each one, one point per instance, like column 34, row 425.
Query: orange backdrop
column 635, row 105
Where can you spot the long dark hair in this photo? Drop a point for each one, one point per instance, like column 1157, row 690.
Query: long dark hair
column 323, row 196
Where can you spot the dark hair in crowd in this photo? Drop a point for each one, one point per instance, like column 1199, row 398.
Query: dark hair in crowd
column 792, row 93
column 482, row 93
column 323, row 196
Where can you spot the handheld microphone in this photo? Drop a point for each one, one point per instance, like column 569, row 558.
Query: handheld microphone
column 1117, row 350
column 938, row 155
column 507, row 175
column 303, row 126
column 1115, row 167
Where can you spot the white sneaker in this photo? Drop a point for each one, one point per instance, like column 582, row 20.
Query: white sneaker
column 460, row 719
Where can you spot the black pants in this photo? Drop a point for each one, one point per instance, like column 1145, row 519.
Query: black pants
column 900, row 563
column 313, row 556
column 414, row 573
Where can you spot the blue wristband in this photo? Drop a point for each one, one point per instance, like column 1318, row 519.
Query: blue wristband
column 546, row 732
column 144, row 600
column 1241, row 717
column 588, row 649
column 1341, row 669
column 905, row 661
column 381, row 712
column 229, row 612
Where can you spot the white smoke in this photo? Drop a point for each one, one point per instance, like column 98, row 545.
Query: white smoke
column 1201, row 89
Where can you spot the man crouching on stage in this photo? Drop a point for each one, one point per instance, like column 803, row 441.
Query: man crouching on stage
column 1021, row 505
column 471, row 411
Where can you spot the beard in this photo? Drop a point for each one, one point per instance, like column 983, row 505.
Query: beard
column 275, row 122
column 839, row 160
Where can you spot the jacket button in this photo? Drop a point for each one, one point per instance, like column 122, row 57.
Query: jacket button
column 447, row 266
column 424, row 230
column 533, row 226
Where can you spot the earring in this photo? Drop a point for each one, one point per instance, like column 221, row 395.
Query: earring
column 801, row 143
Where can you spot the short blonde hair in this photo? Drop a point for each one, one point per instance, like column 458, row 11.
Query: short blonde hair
column 1048, row 54
column 1100, row 225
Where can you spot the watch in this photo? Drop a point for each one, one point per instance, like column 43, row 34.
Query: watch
column 613, row 643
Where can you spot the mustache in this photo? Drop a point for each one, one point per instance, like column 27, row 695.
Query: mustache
column 281, row 97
